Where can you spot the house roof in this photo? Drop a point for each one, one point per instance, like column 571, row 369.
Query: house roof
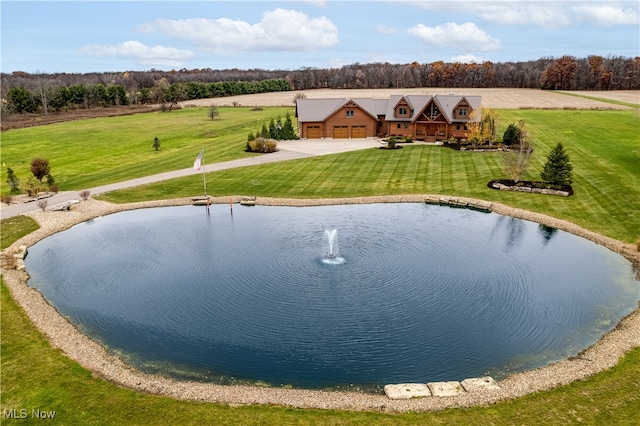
column 317, row 110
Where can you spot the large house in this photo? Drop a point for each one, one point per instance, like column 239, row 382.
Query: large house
column 422, row 117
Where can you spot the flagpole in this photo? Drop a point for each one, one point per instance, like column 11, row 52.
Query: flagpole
column 204, row 175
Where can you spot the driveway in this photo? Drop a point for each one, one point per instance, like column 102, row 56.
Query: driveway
column 288, row 150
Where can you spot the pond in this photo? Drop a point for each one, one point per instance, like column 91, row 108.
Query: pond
column 410, row 293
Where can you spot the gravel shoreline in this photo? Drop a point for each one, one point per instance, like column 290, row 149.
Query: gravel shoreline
column 92, row 356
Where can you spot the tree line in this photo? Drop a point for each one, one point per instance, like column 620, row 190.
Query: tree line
column 23, row 92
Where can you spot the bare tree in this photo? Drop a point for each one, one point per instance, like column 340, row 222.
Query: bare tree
column 516, row 159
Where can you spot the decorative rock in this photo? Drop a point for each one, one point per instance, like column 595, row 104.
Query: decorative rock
column 20, row 265
column 407, row 391
column 563, row 193
column 248, row 201
column 445, row 388
column 480, row 384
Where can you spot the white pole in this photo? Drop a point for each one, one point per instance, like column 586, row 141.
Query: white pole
column 204, row 175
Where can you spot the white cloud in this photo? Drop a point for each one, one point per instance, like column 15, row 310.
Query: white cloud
column 607, row 15
column 279, row 30
column 466, row 37
column 141, row 53
column 541, row 14
column 467, row 59
column 383, row 29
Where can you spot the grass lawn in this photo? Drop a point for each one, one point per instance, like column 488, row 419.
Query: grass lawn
column 88, row 153
column 604, row 147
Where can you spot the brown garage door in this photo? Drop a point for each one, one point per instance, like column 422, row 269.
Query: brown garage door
column 340, row 132
column 313, row 132
column 359, row 132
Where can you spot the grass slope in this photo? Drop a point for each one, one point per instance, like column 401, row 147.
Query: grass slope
column 87, row 153
column 604, row 147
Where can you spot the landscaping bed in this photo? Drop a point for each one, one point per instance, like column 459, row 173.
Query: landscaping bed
column 530, row 186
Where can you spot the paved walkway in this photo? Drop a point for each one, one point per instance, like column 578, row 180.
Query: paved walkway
column 288, row 150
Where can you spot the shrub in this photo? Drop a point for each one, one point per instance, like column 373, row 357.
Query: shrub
column 40, row 168
column 33, row 186
column 8, row 199
column 263, row 145
column 85, row 194
column 43, row 204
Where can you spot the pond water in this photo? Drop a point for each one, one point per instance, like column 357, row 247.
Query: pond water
column 412, row 293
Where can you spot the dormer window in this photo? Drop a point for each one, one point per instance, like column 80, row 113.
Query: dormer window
column 402, row 111
column 463, row 112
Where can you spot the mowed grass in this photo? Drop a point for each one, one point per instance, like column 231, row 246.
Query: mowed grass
column 604, row 147
column 88, row 153
column 37, row 377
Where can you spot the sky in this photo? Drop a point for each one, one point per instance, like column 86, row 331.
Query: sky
column 118, row 36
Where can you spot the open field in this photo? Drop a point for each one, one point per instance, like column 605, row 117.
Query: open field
column 88, row 153
column 491, row 98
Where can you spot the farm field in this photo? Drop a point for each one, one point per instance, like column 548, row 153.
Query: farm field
column 491, row 97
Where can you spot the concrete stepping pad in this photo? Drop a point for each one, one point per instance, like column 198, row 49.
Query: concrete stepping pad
column 445, row 388
column 482, row 384
column 407, row 391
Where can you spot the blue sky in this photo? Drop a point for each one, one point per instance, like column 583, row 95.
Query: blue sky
column 109, row 36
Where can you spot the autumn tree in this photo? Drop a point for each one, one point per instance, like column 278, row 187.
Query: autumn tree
column 558, row 169
column 560, row 75
column 483, row 131
column 40, row 168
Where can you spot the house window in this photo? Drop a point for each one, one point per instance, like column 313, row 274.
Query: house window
column 350, row 113
column 406, row 126
column 398, row 125
column 457, row 127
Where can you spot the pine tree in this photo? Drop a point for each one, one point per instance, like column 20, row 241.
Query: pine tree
column 511, row 135
column 288, row 133
column 156, row 143
column 558, row 169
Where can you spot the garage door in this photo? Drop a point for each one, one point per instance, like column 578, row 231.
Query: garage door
column 313, row 132
column 359, row 132
column 340, row 132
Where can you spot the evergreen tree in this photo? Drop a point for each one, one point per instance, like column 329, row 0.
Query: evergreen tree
column 558, row 169
column 511, row 135
column 273, row 131
column 288, row 133
column 156, row 143
column 12, row 180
